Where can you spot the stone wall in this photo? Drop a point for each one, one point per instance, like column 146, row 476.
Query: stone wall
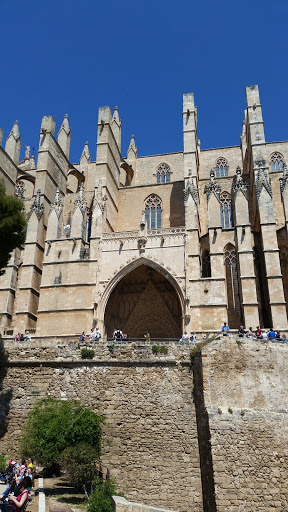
column 214, row 439
column 150, row 441
column 246, row 399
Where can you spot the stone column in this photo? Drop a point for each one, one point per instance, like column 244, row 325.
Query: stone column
column 266, row 210
column 245, row 251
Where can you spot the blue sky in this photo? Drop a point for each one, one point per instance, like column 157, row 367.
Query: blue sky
column 72, row 57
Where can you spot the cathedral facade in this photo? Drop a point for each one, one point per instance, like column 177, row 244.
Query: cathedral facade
column 167, row 243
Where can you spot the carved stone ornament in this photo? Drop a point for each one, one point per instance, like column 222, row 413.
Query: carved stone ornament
column 240, row 185
column 36, row 206
column 212, row 187
column 191, row 189
column 284, row 179
column 19, row 189
column 99, row 199
column 262, row 177
column 80, row 201
column 57, row 204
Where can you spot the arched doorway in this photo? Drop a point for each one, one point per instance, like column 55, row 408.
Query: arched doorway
column 144, row 300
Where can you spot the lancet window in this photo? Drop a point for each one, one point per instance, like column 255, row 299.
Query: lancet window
column 163, row 173
column 277, row 161
column 226, row 210
column 206, row 264
column 221, row 168
column 153, row 208
column 232, row 286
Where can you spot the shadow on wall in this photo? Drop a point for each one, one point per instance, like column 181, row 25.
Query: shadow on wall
column 177, row 210
column 5, row 395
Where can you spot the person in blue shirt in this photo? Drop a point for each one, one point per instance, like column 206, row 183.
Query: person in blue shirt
column 225, row 329
column 271, row 335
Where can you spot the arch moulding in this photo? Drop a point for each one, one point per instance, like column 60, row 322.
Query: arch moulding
column 126, row 270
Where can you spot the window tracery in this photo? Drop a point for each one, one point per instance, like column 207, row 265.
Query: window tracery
column 153, row 208
column 277, row 161
column 226, row 211
column 221, row 167
column 163, row 173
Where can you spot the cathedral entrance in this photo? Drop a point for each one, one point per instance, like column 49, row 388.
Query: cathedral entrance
column 144, row 300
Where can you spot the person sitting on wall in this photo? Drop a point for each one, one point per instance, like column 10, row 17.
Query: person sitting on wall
column 27, row 336
column 117, row 335
column 125, row 337
column 271, row 335
column 82, row 337
column 241, row 331
column 258, row 333
column 97, row 334
column 193, row 336
column 264, row 335
column 185, row 337
column 249, row 333
column 278, row 335
column 17, row 337
column 22, row 337
column 225, row 329
column 284, row 338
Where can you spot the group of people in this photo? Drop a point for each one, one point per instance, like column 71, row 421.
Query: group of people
column 260, row 334
column 119, row 336
column 21, row 337
column 186, row 337
column 19, row 479
column 94, row 335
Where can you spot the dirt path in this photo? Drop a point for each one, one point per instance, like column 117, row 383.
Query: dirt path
column 61, row 497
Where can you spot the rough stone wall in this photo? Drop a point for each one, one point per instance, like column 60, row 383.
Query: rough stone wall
column 149, row 409
column 246, row 400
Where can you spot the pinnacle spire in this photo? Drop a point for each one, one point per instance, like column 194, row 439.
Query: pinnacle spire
column 64, row 136
column 85, row 157
column 13, row 143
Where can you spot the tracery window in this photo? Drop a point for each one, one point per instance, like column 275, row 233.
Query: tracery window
column 277, row 161
column 232, row 286
column 153, row 209
column 226, row 211
column 221, row 167
column 163, row 173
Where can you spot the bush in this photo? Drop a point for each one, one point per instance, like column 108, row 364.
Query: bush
column 155, row 349
column 101, row 498
column 163, row 350
column 3, row 464
column 111, row 348
column 79, row 462
column 87, row 353
column 54, row 425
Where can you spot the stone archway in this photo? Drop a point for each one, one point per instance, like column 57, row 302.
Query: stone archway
column 144, row 300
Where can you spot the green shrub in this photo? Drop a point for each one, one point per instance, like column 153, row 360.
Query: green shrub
column 100, row 500
column 163, row 349
column 54, row 425
column 2, row 462
column 230, row 410
column 111, row 348
column 87, row 353
column 155, row 349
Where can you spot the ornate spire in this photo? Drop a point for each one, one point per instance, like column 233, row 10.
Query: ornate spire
column 80, row 201
column 36, row 206
column 64, row 136
column 85, row 158
column 13, row 143
column 262, row 178
column 99, row 199
column 190, row 189
column 240, row 184
column 57, row 204
column 284, row 179
column 212, row 187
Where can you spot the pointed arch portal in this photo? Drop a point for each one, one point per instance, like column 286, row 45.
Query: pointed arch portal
column 144, row 300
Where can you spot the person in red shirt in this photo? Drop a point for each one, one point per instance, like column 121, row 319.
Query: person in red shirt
column 258, row 333
column 16, row 503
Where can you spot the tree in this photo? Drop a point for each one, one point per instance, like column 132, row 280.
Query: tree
column 12, row 225
column 54, row 425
